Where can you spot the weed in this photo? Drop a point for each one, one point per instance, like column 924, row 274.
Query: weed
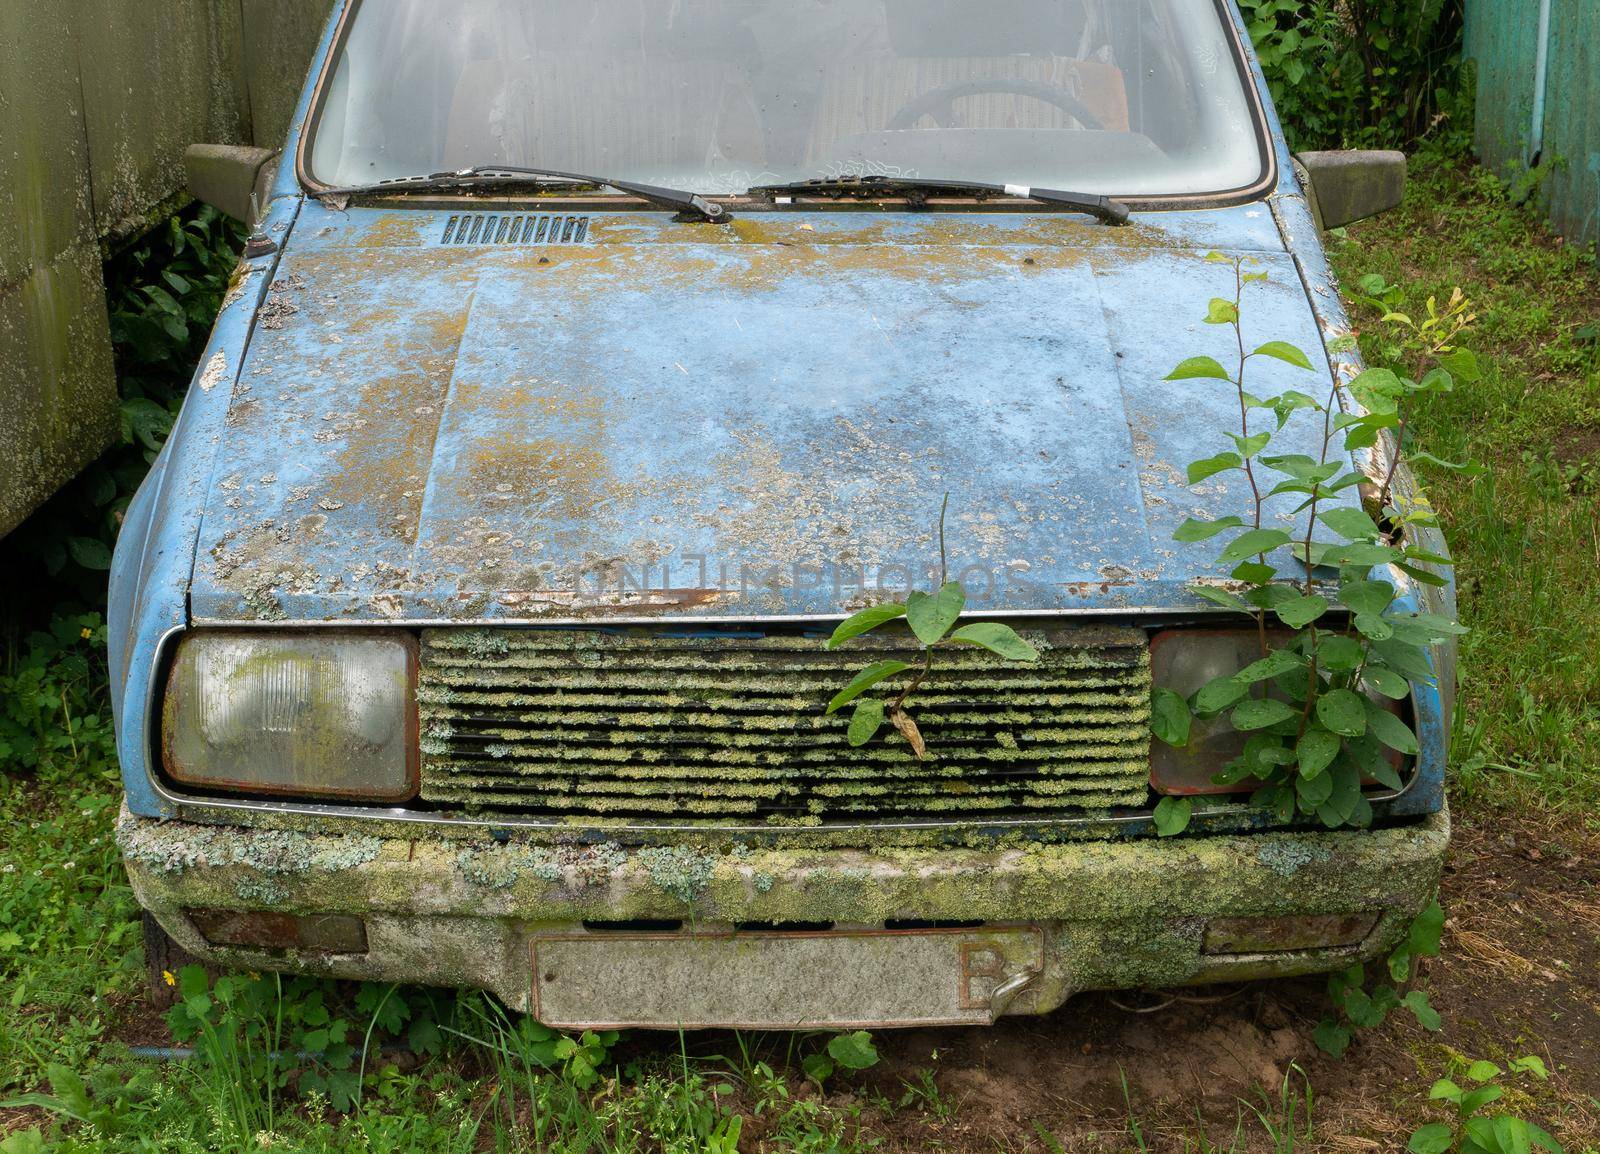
column 1357, row 1007
column 932, row 618
column 1312, row 707
column 1474, row 1130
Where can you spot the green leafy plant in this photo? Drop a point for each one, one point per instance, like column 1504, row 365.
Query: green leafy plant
column 932, row 619
column 256, row 1036
column 1474, row 1130
column 853, row 1051
column 1357, row 1007
column 1311, row 704
column 1364, row 73
column 53, row 716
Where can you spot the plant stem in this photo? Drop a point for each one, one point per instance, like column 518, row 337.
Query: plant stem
column 1244, row 430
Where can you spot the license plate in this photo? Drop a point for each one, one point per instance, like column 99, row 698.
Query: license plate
column 781, row 980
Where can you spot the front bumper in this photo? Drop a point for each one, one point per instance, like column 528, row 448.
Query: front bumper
column 701, row 935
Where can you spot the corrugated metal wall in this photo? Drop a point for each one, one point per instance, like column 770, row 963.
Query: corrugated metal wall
column 1503, row 36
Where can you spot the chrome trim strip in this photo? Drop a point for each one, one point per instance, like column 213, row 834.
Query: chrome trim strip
column 1107, row 613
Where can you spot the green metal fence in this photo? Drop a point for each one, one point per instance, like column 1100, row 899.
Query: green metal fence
column 1539, row 101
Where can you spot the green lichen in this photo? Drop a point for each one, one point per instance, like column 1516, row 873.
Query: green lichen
column 682, row 871
column 273, row 852
column 501, row 868
column 1287, row 858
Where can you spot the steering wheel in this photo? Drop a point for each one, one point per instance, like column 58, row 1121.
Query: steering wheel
column 940, row 102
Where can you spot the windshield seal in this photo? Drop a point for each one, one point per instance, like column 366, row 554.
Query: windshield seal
column 1223, row 198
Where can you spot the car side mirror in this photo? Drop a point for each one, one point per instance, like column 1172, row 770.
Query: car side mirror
column 233, row 179
column 1351, row 185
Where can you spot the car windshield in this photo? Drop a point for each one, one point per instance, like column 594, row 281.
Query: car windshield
column 1116, row 97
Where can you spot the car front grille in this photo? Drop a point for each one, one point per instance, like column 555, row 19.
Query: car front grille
column 658, row 726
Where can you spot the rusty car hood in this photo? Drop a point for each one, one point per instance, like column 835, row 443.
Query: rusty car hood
column 629, row 418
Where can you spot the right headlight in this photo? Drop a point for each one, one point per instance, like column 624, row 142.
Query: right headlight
column 1184, row 660
column 308, row 712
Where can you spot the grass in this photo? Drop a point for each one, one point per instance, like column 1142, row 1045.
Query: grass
column 1526, row 534
column 1527, row 538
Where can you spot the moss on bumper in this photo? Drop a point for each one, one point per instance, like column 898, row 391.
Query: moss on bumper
column 1118, row 914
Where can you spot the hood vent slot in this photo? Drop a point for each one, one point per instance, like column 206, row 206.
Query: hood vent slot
column 520, row 228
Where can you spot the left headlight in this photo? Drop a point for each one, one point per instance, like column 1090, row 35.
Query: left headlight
column 313, row 713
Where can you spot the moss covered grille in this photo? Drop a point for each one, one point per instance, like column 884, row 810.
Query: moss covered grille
column 652, row 725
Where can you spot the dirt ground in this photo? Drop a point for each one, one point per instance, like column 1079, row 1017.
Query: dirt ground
column 1519, row 973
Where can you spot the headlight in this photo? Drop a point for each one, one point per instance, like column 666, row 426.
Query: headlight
column 315, row 713
column 1183, row 660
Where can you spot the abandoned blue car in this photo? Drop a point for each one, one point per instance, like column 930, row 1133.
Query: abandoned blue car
column 589, row 364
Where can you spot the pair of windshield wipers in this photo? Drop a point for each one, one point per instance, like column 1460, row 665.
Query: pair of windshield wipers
column 692, row 207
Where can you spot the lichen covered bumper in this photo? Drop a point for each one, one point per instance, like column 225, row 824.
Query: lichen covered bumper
column 712, row 930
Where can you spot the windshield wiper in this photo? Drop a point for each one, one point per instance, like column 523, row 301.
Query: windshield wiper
column 687, row 205
column 916, row 189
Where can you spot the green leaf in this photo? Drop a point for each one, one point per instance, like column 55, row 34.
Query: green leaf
column 1342, row 712
column 1425, row 628
column 1481, row 1071
column 1316, row 750
column 1169, row 717
column 1462, row 364
column 1260, row 713
column 1530, row 1064
column 1444, row 1090
column 931, row 617
column 865, row 621
column 1366, row 596
column 89, row 553
column 853, row 1051
column 1350, row 523
column 1417, row 1002
column 1314, row 791
column 1223, row 597
column 1172, row 816
column 1284, row 351
column 1378, row 390
column 997, row 639
column 1422, row 576
column 1253, row 543
column 1337, row 653
column 1253, row 572
column 1541, row 1138
column 1331, row 1038
column 1251, row 445
column 865, row 680
column 1219, row 693
column 1193, row 530
column 818, row 1067
column 1373, row 627
column 1386, row 682
column 1221, row 311
column 1301, row 611
column 1302, row 468
column 1410, row 660
column 1211, row 466
column 1434, row 1138
column 1474, row 1100
column 1389, row 729
column 1203, row 368
column 865, row 721
column 1274, row 664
